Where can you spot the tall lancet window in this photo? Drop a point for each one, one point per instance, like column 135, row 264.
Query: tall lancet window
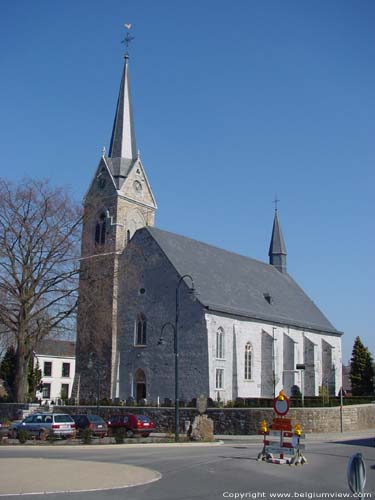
column 220, row 353
column 100, row 229
column 248, row 361
column 141, row 330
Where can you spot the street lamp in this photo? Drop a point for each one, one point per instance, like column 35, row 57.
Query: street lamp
column 273, row 362
column 176, row 349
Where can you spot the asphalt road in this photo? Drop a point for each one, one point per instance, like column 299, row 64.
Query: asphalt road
column 212, row 472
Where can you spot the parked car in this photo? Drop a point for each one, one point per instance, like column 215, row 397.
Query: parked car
column 4, row 428
column 132, row 424
column 42, row 425
column 95, row 423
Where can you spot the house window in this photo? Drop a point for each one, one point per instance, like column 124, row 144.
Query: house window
column 64, row 393
column 141, row 326
column 46, row 391
column 65, row 370
column 127, row 236
column 100, row 229
column 248, row 361
column 219, row 378
column 220, row 344
column 47, row 369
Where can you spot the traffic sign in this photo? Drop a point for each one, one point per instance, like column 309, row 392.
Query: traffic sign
column 281, row 406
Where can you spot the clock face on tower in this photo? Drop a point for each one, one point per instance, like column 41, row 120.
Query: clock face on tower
column 137, row 186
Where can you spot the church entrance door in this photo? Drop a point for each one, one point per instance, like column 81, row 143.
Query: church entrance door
column 140, row 385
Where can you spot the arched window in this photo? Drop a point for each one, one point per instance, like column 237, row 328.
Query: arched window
column 100, row 229
column 220, row 344
column 140, row 333
column 248, row 361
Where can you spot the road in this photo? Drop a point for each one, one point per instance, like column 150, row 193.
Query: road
column 208, row 472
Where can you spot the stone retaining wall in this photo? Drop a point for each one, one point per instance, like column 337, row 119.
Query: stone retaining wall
column 229, row 421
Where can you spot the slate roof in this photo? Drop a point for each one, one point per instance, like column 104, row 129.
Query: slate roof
column 120, row 168
column 53, row 347
column 231, row 283
column 123, row 144
column 277, row 245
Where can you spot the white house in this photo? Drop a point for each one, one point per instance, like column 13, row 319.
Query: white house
column 56, row 359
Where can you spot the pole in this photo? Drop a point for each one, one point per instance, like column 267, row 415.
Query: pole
column 273, row 362
column 341, row 411
column 302, row 387
column 176, row 353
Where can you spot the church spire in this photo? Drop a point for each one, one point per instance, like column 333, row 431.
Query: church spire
column 277, row 251
column 123, row 143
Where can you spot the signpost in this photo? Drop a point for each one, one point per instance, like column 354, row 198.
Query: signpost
column 280, row 439
column 302, row 367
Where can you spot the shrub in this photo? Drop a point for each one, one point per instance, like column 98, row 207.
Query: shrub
column 119, row 435
column 87, row 436
column 22, row 436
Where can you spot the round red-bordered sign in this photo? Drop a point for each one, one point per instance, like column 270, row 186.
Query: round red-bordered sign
column 281, row 406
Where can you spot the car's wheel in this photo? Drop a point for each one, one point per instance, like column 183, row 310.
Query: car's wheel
column 146, row 434
column 129, row 433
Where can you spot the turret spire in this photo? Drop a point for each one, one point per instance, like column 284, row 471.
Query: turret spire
column 277, row 251
column 123, row 144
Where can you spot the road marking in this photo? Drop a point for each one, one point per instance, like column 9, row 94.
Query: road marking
column 83, row 491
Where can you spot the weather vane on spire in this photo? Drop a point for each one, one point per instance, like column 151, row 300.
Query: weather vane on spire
column 128, row 38
column 275, row 201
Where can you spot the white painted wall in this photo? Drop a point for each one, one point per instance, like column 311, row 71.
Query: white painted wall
column 240, row 331
column 56, row 379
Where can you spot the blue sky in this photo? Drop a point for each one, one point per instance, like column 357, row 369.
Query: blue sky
column 234, row 102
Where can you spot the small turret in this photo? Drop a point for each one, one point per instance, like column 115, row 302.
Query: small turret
column 277, row 251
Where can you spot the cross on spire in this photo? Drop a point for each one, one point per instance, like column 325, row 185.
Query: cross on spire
column 276, row 201
column 128, row 38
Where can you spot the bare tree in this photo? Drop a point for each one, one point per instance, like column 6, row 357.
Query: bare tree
column 39, row 249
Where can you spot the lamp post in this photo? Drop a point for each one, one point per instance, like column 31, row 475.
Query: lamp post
column 176, row 350
column 273, row 362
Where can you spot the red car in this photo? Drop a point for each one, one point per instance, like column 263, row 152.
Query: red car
column 132, row 424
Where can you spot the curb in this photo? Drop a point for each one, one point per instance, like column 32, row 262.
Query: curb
column 118, row 446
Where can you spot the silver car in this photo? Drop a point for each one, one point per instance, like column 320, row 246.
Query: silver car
column 43, row 425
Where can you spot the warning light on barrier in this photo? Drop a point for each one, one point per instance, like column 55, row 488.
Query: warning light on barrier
column 263, row 427
column 281, row 395
column 297, row 430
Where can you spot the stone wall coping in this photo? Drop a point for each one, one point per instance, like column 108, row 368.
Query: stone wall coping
column 366, row 405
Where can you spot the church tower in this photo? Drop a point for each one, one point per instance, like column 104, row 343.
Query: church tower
column 118, row 202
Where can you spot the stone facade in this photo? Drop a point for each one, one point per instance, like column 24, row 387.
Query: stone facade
column 246, row 421
column 148, row 289
column 123, row 211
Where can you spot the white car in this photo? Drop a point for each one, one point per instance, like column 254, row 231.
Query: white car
column 42, row 425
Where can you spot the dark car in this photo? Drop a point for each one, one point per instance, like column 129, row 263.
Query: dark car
column 95, row 423
column 132, row 424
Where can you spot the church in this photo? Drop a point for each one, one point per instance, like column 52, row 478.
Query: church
column 241, row 328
